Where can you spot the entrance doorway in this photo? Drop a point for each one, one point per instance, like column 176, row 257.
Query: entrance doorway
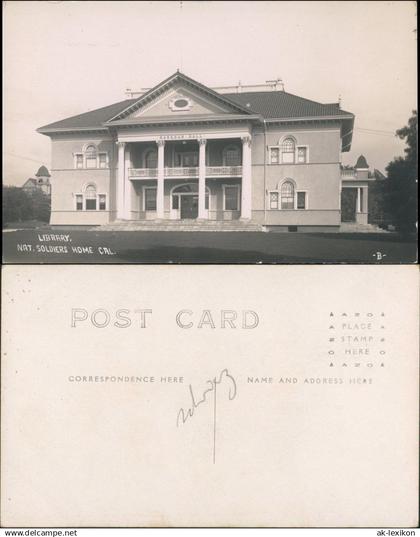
column 184, row 201
column 348, row 204
column 189, row 206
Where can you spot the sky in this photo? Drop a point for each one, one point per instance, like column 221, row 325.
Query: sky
column 63, row 58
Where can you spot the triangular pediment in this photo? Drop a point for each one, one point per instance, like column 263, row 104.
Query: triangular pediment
column 179, row 96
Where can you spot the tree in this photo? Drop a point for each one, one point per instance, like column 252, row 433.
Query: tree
column 17, row 205
column 41, row 206
column 20, row 206
column 400, row 194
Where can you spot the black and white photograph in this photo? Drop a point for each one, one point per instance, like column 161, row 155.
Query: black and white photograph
column 210, row 287
column 210, row 132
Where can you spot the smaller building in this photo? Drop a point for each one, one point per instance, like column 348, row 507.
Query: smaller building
column 41, row 182
column 354, row 192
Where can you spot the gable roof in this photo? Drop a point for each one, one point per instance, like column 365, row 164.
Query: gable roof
column 30, row 183
column 168, row 83
column 270, row 105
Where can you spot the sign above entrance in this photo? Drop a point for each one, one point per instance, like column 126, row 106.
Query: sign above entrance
column 189, row 136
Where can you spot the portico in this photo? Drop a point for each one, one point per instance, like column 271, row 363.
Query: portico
column 151, row 171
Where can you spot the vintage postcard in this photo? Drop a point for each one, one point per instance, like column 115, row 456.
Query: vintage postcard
column 173, row 142
column 138, row 396
column 241, row 142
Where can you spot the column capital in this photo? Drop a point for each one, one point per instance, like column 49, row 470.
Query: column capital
column 246, row 140
column 202, row 141
column 160, row 143
column 120, row 144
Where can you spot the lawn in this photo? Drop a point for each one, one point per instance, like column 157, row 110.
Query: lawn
column 70, row 245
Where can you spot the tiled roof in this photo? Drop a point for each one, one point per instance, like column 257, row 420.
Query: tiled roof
column 92, row 119
column 269, row 104
column 281, row 105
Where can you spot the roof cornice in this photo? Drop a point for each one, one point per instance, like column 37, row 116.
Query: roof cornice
column 162, row 86
column 308, row 118
column 224, row 118
column 58, row 130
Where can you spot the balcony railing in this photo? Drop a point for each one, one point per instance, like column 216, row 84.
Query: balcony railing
column 223, row 171
column 211, row 171
column 143, row 173
column 348, row 174
column 181, row 172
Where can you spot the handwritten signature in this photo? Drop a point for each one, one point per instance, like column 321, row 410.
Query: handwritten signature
column 185, row 414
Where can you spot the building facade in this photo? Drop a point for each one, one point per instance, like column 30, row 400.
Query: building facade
column 41, row 182
column 183, row 151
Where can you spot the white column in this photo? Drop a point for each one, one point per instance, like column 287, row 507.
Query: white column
column 127, row 184
column 202, row 179
column 359, row 200
column 246, row 190
column 120, row 180
column 160, row 199
column 365, row 204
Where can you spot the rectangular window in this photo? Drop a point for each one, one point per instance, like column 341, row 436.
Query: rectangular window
column 102, row 160
column 90, row 162
column 232, row 157
column 231, row 198
column 301, row 155
column 274, row 200
column 175, row 202
column 79, row 202
column 287, row 203
column 274, row 155
column 301, row 200
column 288, row 157
column 150, row 199
column 91, row 204
column 102, row 202
column 79, row 161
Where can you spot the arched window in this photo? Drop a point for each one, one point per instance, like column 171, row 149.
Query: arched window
column 90, row 200
column 287, row 195
column 90, row 197
column 231, row 156
column 150, row 159
column 90, row 156
column 288, row 151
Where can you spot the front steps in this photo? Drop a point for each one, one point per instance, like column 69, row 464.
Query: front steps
column 353, row 227
column 181, row 225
